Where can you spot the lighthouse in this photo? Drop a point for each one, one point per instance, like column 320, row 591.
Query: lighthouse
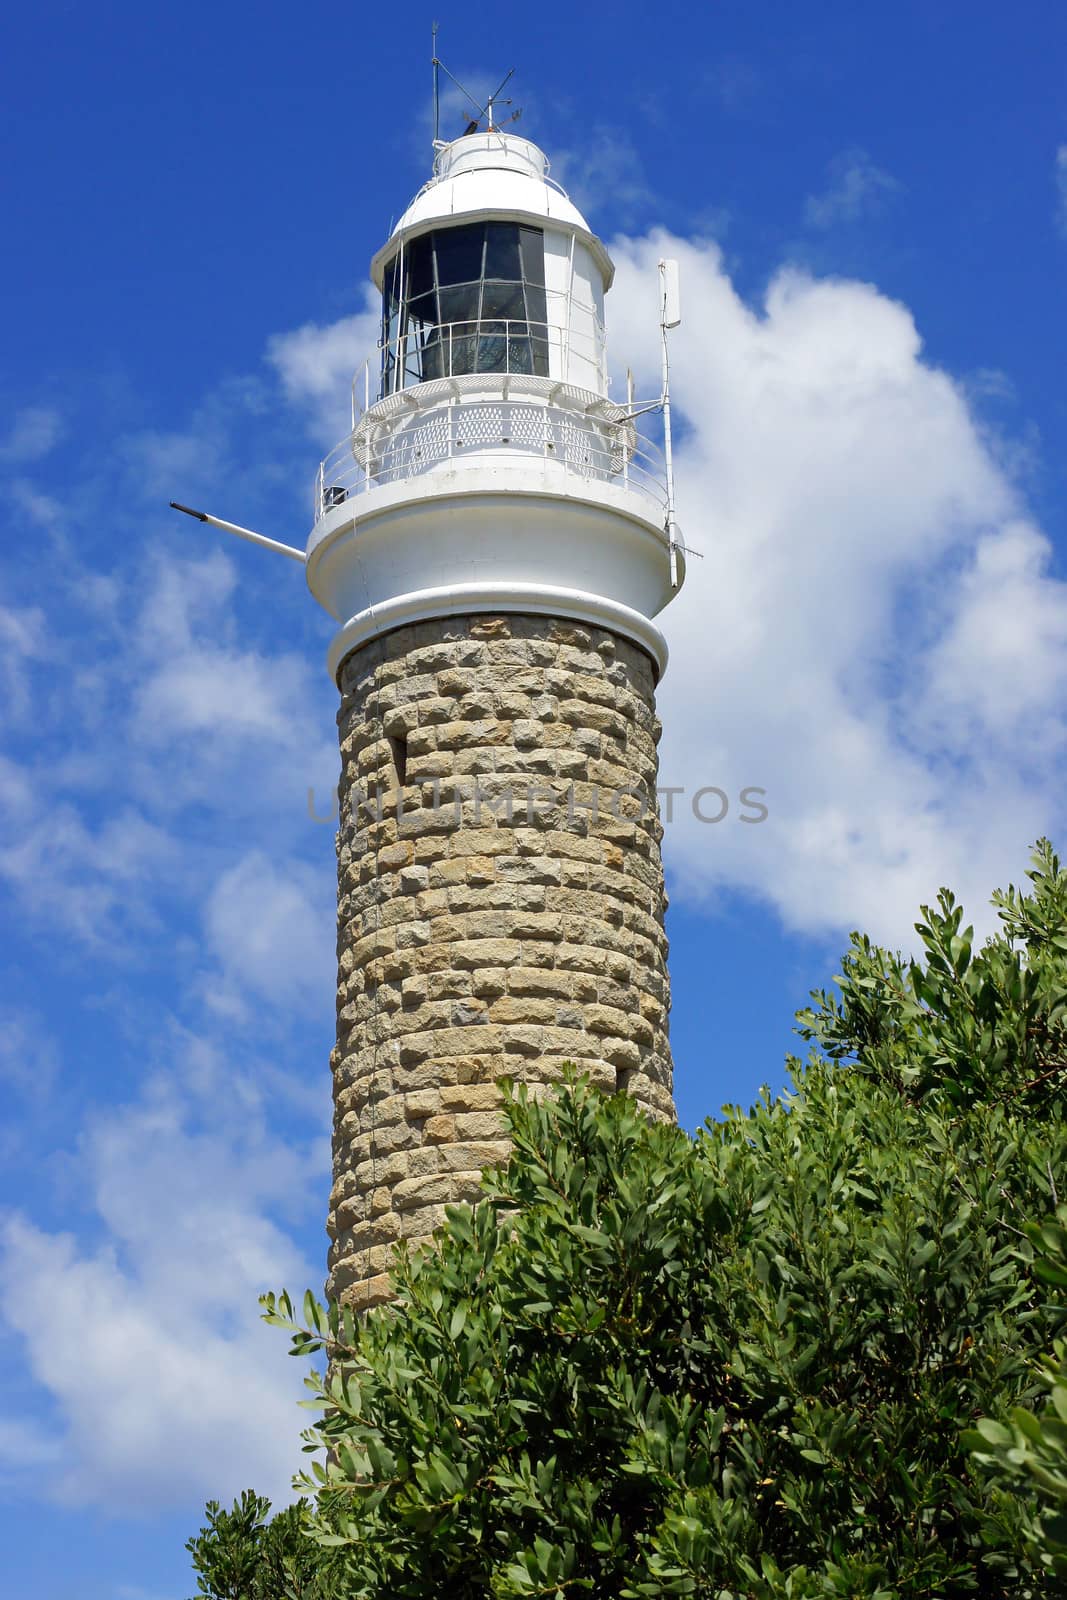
column 494, row 538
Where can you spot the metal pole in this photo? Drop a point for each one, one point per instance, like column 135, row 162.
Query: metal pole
column 436, row 94
column 243, row 533
column 672, row 532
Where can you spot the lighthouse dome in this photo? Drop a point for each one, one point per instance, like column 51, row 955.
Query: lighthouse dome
column 498, row 175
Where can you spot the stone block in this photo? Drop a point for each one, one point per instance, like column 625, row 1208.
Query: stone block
column 522, row 1008
column 415, row 1193
column 462, row 1097
column 479, row 1125
column 481, row 1153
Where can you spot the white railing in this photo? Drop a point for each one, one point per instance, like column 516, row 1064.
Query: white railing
column 504, row 346
column 599, row 449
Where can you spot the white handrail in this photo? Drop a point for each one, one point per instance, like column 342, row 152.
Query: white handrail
column 393, row 446
column 559, row 335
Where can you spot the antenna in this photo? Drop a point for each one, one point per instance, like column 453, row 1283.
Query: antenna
column 670, row 316
column 487, row 109
column 436, row 90
column 465, row 92
column 480, row 111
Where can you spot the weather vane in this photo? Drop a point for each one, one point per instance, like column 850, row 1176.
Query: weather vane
column 484, row 113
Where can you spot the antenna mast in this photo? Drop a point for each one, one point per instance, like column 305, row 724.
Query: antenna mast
column 670, row 317
column 487, row 110
column 436, row 91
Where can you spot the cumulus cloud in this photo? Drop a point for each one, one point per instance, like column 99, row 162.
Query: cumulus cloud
column 1061, row 188
column 158, row 815
column 149, row 1344
column 316, row 364
column 856, row 188
column 875, row 634
column 270, row 926
column 173, row 710
column 89, row 878
column 200, row 681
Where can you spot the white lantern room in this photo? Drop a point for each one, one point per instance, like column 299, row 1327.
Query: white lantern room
column 488, row 468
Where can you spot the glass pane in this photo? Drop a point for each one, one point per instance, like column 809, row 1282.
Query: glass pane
column 503, row 300
column 459, row 253
column 520, row 354
column 419, row 266
column 460, row 354
column 459, row 304
column 493, row 351
column 536, row 309
column 532, row 247
column 502, row 250
column 422, row 309
column 433, row 359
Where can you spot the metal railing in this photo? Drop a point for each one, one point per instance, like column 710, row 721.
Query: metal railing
column 501, row 346
column 599, row 449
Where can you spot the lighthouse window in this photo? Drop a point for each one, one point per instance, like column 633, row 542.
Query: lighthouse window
column 457, row 252
column 465, row 299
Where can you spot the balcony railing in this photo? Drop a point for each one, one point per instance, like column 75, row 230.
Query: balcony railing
column 435, row 428
column 573, row 349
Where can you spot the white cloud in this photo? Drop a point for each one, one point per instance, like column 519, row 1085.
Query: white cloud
column 150, row 1344
column 605, row 163
column 24, row 1445
column 27, row 1060
column 316, row 365
column 22, row 641
column 89, row 879
column 1061, row 188
column 232, row 710
column 270, row 925
column 873, row 634
column 42, row 510
column 33, row 434
column 169, row 716
column 856, row 188
column 997, row 675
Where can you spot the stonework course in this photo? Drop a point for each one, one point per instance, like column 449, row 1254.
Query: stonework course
column 500, row 908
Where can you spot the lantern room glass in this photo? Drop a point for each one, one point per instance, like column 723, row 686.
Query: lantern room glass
column 465, row 299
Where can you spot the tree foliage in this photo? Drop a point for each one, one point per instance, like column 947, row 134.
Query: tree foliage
column 741, row 1364
column 241, row 1555
column 1028, row 1451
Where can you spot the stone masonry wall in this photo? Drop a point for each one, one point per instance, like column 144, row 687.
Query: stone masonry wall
column 473, row 944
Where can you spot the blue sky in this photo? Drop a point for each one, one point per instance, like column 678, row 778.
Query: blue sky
column 870, row 208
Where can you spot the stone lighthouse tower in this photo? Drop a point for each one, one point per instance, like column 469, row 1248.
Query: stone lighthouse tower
column 493, row 539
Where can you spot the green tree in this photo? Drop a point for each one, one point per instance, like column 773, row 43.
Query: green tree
column 1029, row 1450
column 740, row 1364
column 241, row 1555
